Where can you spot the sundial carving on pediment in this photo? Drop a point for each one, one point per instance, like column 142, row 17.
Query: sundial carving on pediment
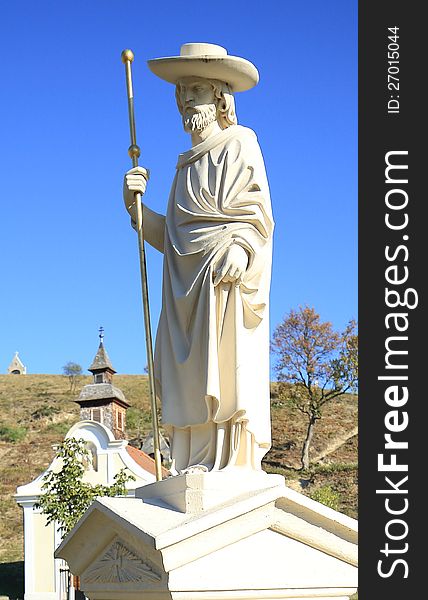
column 119, row 564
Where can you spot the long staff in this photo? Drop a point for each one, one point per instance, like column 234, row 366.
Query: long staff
column 134, row 153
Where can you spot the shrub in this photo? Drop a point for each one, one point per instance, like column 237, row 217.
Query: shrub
column 327, row 496
column 59, row 428
column 134, row 418
column 65, row 497
column 44, row 411
column 12, row 434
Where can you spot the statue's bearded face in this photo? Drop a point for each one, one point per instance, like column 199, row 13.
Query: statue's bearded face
column 199, row 106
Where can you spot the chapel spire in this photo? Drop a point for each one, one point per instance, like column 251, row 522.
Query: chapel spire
column 101, row 366
column 100, row 401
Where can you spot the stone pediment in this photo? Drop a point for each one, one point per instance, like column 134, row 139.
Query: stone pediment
column 279, row 538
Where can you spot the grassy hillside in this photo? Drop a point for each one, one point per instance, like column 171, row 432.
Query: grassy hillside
column 37, row 410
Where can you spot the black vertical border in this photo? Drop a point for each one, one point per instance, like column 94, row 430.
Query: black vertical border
column 379, row 133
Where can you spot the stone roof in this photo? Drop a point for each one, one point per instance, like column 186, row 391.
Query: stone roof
column 101, row 361
column 101, row 391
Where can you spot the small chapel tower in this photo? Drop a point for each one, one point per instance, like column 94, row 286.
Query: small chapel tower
column 17, row 367
column 100, row 401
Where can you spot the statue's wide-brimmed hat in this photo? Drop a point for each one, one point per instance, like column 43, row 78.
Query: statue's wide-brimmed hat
column 209, row 61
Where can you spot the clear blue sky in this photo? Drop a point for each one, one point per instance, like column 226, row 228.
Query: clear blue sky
column 68, row 255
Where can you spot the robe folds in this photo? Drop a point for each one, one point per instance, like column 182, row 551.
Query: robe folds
column 212, row 343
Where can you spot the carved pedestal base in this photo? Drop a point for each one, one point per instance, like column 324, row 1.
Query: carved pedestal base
column 198, row 537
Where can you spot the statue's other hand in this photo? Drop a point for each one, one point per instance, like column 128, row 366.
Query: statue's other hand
column 232, row 265
column 135, row 181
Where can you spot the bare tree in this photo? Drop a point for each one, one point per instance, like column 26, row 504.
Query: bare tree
column 72, row 370
column 315, row 365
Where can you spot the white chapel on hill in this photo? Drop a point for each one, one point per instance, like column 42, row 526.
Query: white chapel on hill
column 16, row 366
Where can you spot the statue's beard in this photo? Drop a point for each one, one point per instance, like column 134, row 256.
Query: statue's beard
column 198, row 121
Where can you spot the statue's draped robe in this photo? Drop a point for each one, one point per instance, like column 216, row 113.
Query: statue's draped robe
column 212, row 345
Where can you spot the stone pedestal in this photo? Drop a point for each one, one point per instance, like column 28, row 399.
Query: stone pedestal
column 198, row 492
column 212, row 536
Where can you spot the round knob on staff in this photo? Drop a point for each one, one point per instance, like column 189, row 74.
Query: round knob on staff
column 134, row 151
column 127, row 56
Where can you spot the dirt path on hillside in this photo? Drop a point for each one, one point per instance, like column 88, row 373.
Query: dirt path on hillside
column 4, row 450
column 335, row 444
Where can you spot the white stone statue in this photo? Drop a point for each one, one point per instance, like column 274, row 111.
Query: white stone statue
column 212, row 344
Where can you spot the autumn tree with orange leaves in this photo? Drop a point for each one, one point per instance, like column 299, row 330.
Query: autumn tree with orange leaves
column 315, row 365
